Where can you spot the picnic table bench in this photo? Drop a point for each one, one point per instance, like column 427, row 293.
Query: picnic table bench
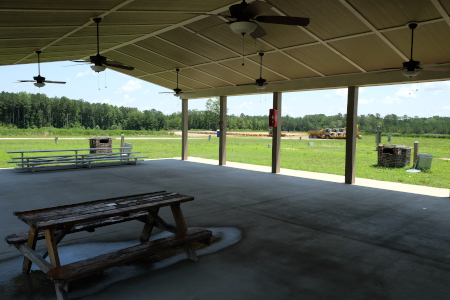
column 54, row 223
column 76, row 159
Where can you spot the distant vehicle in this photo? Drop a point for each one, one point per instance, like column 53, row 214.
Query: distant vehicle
column 341, row 133
column 335, row 133
column 326, row 133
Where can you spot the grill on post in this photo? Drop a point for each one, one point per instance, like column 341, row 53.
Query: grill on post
column 100, row 142
column 396, row 156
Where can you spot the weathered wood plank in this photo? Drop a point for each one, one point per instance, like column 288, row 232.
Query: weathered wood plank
column 72, row 220
column 51, row 247
column 62, row 290
column 32, row 255
column 31, row 242
column 148, row 226
column 41, row 210
column 97, row 264
column 59, row 236
column 181, row 225
column 22, row 237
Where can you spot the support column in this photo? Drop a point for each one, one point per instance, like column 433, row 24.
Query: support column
column 350, row 141
column 223, row 131
column 276, row 138
column 184, row 129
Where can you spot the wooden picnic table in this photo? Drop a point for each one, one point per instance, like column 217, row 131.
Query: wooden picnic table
column 53, row 223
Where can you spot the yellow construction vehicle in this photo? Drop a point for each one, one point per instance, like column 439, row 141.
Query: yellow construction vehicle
column 335, row 133
column 341, row 134
column 322, row 134
column 357, row 132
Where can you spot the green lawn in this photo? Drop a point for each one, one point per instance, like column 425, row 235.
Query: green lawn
column 326, row 156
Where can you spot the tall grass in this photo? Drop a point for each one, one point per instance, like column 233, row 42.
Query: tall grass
column 326, row 156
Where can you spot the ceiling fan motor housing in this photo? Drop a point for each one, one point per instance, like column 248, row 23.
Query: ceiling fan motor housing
column 39, row 79
column 412, row 65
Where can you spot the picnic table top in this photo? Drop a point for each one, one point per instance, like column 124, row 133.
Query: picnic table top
column 61, row 150
column 69, row 215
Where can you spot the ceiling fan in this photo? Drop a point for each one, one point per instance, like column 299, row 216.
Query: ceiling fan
column 260, row 83
column 412, row 67
column 100, row 62
column 244, row 18
column 176, row 92
column 40, row 81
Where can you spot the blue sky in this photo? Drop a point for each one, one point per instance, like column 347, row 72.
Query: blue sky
column 431, row 99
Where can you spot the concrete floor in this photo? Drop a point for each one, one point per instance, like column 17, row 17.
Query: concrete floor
column 302, row 238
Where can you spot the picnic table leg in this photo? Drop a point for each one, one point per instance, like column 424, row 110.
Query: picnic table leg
column 61, row 290
column 148, row 227
column 51, row 247
column 32, row 239
column 181, row 224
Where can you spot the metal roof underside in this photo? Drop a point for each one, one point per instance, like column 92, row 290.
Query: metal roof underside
column 348, row 42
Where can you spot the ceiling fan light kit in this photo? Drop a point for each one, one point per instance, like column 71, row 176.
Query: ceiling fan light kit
column 39, row 84
column 411, row 73
column 98, row 68
column 243, row 27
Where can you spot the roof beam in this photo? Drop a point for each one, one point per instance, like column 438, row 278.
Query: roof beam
column 136, row 58
column 291, row 57
column 115, row 8
column 371, row 27
column 169, row 28
column 318, row 83
column 441, row 10
column 321, row 41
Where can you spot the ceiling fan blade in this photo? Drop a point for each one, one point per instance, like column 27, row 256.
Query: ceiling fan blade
column 49, row 81
column 256, row 8
column 80, row 61
column 258, row 33
column 118, row 65
column 26, row 80
column 436, row 69
column 283, row 20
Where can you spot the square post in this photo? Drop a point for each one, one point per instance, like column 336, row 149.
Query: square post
column 350, row 141
column 184, row 129
column 223, row 131
column 276, row 138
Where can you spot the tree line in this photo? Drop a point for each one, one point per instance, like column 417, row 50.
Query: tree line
column 23, row 110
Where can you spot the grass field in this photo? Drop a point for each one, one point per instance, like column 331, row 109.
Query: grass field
column 326, row 156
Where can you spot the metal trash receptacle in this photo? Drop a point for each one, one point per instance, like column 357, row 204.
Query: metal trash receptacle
column 424, row 161
column 127, row 145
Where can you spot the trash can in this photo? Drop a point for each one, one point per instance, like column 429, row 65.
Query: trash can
column 424, row 161
column 127, row 145
column 218, row 133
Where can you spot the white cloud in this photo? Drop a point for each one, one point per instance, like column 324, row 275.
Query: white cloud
column 127, row 99
column 391, row 100
column 406, row 91
column 341, row 92
column 438, row 86
column 366, row 101
column 82, row 74
column 246, row 107
column 131, row 86
column 447, row 107
column 107, row 101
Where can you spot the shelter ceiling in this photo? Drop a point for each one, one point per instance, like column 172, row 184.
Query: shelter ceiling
column 344, row 37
